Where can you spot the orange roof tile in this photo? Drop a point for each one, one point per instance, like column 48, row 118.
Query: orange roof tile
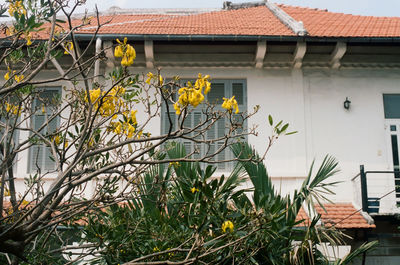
column 321, row 23
column 302, row 215
column 253, row 21
column 246, row 21
column 343, row 216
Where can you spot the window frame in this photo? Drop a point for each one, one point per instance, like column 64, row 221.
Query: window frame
column 31, row 168
column 228, row 93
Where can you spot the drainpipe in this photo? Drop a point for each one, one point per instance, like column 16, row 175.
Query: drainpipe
column 97, row 63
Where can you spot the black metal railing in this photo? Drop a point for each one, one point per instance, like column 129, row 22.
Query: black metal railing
column 369, row 204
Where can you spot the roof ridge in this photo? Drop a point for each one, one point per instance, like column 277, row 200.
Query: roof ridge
column 296, row 26
column 306, row 7
column 227, row 5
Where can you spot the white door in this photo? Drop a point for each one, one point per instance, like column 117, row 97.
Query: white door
column 393, row 139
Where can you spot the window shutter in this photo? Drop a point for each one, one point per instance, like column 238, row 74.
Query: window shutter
column 36, row 157
column 199, row 147
column 216, row 93
column 40, row 155
column 237, row 91
column 167, row 124
column 219, row 90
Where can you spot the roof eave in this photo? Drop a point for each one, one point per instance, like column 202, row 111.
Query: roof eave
column 173, row 37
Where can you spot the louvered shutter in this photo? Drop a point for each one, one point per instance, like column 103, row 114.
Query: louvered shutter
column 40, row 155
column 219, row 90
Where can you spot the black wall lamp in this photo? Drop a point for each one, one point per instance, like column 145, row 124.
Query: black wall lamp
column 346, row 103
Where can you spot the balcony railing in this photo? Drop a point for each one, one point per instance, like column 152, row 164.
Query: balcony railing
column 378, row 192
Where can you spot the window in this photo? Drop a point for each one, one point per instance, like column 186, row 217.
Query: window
column 9, row 135
column 391, row 104
column 219, row 89
column 40, row 157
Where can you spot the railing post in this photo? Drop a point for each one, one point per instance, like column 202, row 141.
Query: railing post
column 364, row 190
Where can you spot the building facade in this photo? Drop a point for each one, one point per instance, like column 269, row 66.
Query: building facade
column 333, row 77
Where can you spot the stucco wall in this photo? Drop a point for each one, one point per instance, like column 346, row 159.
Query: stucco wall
column 311, row 100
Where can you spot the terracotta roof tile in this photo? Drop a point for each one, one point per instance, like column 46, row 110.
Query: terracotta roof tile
column 320, row 23
column 247, row 21
column 343, row 216
column 254, row 21
column 302, row 215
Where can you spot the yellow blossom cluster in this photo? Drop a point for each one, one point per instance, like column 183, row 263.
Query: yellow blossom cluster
column 28, row 38
column 227, row 225
column 192, row 94
column 17, row 78
column 126, row 51
column 174, row 164
column 230, row 104
column 10, row 108
column 128, row 127
column 194, row 190
column 110, row 103
column 58, row 140
column 151, row 76
column 16, row 6
column 68, row 47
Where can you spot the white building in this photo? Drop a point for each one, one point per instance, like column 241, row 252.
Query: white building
column 334, row 77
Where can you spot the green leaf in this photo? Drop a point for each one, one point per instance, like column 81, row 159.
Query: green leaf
column 270, row 120
column 284, row 127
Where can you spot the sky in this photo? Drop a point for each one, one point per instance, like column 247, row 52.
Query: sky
column 357, row 7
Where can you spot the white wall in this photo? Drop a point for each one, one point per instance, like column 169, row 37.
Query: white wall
column 311, row 100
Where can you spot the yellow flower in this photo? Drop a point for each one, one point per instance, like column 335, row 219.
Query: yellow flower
column 126, row 51
column 9, row 73
column 118, row 51
column 177, row 108
column 208, row 87
column 192, row 95
column 10, row 108
column 150, row 76
column 57, row 140
column 18, row 7
column 133, row 117
column 7, row 76
column 94, row 94
column 174, row 164
column 196, row 97
column 160, row 78
column 230, row 104
column 227, row 225
column 28, row 38
column 19, row 78
column 68, row 47
column 91, row 142
column 65, row 144
column 193, row 190
column 139, row 135
column 130, row 131
column 118, row 128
